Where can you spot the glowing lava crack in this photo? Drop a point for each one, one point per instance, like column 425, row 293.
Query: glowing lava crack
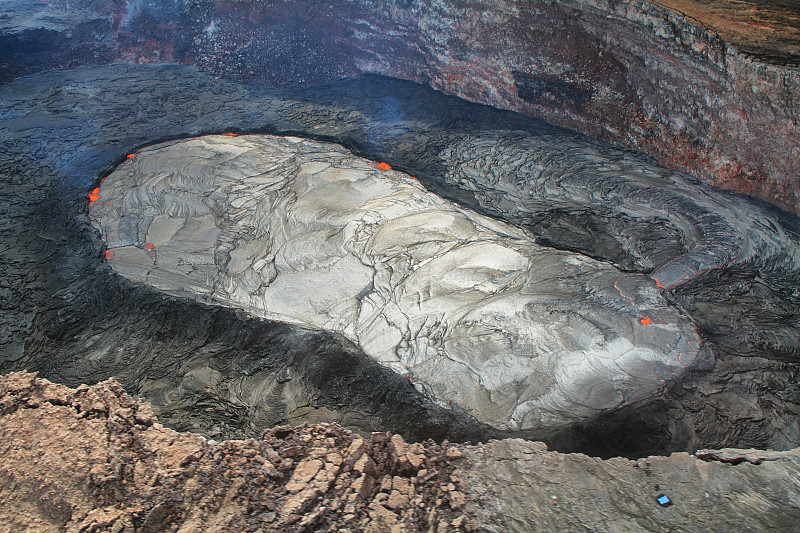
column 471, row 309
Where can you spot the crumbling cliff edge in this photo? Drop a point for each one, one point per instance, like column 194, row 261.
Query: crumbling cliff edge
column 94, row 459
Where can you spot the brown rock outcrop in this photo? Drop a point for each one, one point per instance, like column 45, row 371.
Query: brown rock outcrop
column 93, row 459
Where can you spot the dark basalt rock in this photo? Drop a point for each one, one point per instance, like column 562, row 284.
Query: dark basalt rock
column 532, row 88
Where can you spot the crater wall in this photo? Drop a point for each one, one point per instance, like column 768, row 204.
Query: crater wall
column 636, row 73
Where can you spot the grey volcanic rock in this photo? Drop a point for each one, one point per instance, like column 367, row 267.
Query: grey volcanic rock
column 471, row 309
column 662, row 222
column 520, row 486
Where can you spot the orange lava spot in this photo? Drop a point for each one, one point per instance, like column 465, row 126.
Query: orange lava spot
column 231, row 134
column 130, row 156
column 645, row 320
column 94, row 195
column 149, row 247
column 384, row 166
column 109, row 255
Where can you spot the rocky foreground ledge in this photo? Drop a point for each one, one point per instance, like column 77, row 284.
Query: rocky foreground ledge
column 94, row 459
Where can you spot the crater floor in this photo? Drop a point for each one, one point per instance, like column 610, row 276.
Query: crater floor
column 726, row 264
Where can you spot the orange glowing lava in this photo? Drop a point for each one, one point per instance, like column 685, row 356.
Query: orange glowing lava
column 109, row 255
column 231, row 134
column 645, row 321
column 130, row 156
column 149, row 247
column 384, row 166
column 94, row 195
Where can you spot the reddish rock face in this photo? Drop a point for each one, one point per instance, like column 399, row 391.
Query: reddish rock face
column 767, row 29
column 636, row 73
column 632, row 73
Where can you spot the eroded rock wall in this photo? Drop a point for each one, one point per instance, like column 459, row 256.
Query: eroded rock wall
column 630, row 72
column 635, row 73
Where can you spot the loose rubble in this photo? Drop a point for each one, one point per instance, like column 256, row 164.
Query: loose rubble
column 94, row 459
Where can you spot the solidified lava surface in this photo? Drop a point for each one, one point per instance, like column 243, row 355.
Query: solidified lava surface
column 470, row 309
column 725, row 262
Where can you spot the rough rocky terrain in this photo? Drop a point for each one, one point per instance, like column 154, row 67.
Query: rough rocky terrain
column 92, row 459
column 705, row 88
column 711, row 91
